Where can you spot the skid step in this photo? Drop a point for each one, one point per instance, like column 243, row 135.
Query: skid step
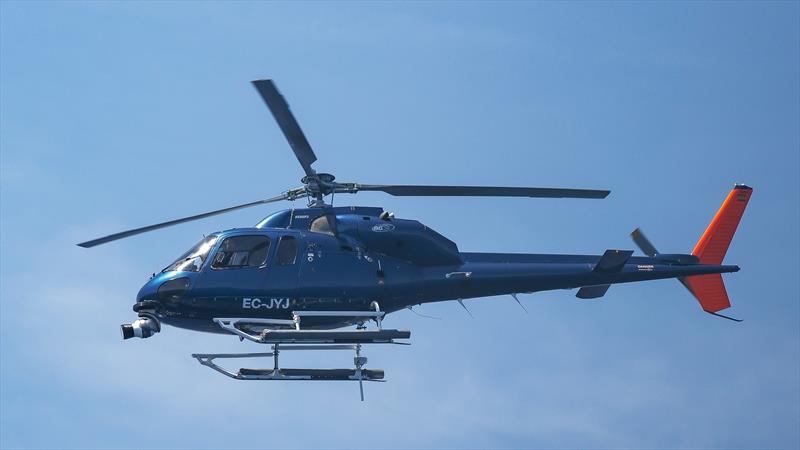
column 311, row 374
column 333, row 337
column 272, row 331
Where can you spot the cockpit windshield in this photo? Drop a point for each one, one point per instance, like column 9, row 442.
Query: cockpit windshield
column 192, row 260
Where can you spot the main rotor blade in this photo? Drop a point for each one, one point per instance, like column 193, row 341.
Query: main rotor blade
column 286, row 121
column 135, row 231
column 482, row 191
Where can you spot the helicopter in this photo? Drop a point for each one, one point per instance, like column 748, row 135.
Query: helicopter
column 302, row 277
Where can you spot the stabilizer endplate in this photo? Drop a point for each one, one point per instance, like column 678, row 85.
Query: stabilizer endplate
column 612, row 261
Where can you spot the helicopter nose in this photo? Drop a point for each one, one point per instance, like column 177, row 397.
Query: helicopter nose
column 161, row 293
column 148, row 290
column 163, row 288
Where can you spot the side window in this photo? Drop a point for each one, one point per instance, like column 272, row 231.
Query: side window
column 324, row 224
column 241, row 251
column 287, row 251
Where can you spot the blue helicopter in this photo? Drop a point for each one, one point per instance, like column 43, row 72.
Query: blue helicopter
column 300, row 277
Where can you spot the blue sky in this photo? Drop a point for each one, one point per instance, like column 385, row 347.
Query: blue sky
column 115, row 115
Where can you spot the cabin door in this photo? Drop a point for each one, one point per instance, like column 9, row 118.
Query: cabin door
column 282, row 271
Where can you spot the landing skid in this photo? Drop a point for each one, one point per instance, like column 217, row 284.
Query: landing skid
column 285, row 374
column 299, row 339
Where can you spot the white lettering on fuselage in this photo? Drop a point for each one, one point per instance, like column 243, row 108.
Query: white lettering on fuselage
column 383, row 228
column 268, row 303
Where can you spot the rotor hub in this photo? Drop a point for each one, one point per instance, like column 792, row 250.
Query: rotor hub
column 317, row 186
column 323, row 177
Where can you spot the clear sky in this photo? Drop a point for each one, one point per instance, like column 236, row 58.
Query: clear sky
column 116, row 115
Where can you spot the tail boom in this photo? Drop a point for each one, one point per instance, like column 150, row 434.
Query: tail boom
column 498, row 274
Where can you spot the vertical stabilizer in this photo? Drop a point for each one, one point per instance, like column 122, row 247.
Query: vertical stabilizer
column 709, row 290
column 714, row 243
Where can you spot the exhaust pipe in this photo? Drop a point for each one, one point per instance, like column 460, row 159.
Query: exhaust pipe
column 144, row 327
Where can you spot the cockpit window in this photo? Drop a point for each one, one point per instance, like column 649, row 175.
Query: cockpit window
column 192, row 260
column 324, row 224
column 241, row 251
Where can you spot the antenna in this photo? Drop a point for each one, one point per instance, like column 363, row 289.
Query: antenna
column 460, row 302
column 520, row 303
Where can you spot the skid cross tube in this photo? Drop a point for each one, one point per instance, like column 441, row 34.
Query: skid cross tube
column 229, row 324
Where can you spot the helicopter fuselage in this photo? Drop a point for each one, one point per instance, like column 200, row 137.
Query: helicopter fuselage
column 354, row 258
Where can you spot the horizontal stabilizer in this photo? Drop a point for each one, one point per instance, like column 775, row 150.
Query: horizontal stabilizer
column 612, row 261
column 587, row 292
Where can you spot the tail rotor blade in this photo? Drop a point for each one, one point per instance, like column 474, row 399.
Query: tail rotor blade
column 481, row 191
column 288, row 124
column 135, row 231
column 643, row 243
